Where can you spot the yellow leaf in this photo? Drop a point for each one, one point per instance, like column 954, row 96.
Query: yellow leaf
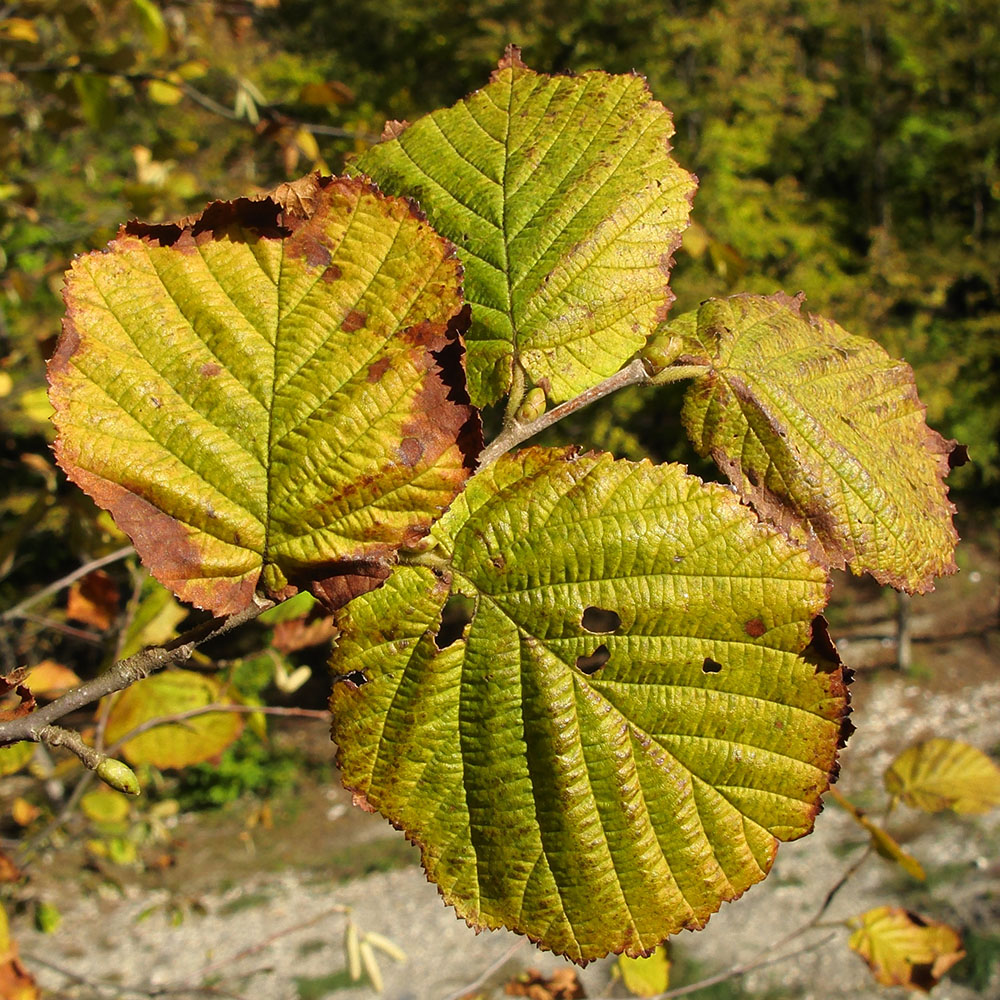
column 177, row 744
column 944, row 774
column 104, row 805
column 13, row 758
column 51, row 679
column 646, row 977
column 164, row 93
column 903, row 948
column 18, row 29
column 23, row 812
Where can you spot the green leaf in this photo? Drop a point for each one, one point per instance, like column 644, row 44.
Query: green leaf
column 566, row 207
column 824, row 434
column 172, row 744
column 14, row 757
column 945, row 774
column 271, row 392
column 593, row 809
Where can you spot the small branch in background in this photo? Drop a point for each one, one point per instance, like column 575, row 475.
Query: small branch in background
column 122, row 674
column 85, row 635
column 18, row 610
column 179, row 718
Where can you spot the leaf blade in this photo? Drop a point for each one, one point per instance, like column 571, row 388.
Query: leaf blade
column 269, row 391
column 824, row 433
column 566, row 207
column 573, row 807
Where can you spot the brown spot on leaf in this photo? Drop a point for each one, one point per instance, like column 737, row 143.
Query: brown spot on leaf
column 210, row 369
column 755, row 628
column 378, row 369
column 410, row 451
column 354, row 320
column 332, row 273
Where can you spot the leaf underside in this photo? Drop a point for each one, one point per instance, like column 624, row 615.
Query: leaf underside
column 565, row 205
column 593, row 809
column 824, row 433
column 269, row 393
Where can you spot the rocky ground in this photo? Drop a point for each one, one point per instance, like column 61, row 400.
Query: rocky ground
column 252, row 911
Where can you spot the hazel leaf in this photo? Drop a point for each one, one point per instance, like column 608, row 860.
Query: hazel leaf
column 903, row 948
column 945, row 774
column 565, row 205
column 824, row 433
column 268, row 395
column 593, row 807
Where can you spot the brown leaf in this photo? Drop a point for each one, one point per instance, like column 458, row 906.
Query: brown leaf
column 16, row 983
column 94, row 600
column 563, row 984
column 9, row 872
column 311, row 629
column 11, row 686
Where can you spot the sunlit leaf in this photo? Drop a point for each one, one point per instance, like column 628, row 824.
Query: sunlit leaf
column 176, row 744
column 945, row 774
column 646, row 977
column 105, row 805
column 566, row 207
column 271, row 392
column 50, row 679
column 14, row 757
column 904, row 949
column 825, row 435
column 628, row 724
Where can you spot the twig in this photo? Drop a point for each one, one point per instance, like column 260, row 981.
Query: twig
column 741, row 970
column 192, row 713
column 83, row 634
column 124, row 673
column 17, row 611
column 486, row 973
column 634, row 373
column 261, row 945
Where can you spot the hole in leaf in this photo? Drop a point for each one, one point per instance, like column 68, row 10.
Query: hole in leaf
column 592, row 663
column 600, row 620
column 355, row 677
column 458, row 612
column 711, row 666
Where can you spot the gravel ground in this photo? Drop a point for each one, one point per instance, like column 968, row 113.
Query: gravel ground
column 132, row 940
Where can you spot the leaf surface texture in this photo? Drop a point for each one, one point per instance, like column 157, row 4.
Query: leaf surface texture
column 273, row 389
column 824, row 433
column 566, row 206
column 594, row 810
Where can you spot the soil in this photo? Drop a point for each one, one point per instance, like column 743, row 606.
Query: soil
column 220, row 906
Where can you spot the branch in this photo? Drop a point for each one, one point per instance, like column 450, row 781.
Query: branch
column 124, row 673
column 634, row 373
column 18, row 610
